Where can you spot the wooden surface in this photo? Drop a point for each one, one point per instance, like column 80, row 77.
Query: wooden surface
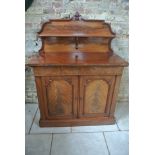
column 76, row 44
column 95, row 95
column 70, row 59
column 76, row 36
column 60, row 96
column 80, row 28
column 76, row 97
column 76, row 70
column 77, row 74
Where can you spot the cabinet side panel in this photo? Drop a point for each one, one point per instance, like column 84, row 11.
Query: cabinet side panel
column 115, row 93
column 40, row 97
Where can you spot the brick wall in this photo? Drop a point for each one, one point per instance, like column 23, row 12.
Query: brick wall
column 112, row 11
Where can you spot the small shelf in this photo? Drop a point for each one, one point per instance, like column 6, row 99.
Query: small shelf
column 72, row 44
column 76, row 35
column 69, row 33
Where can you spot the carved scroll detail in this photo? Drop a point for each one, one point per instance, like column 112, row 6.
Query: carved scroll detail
column 47, row 84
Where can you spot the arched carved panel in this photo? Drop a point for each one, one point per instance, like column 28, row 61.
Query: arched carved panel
column 59, row 97
column 96, row 93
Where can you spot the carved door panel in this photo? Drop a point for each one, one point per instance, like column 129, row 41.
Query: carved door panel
column 96, row 95
column 60, row 96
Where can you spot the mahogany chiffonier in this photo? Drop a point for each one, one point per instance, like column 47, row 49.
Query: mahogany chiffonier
column 77, row 74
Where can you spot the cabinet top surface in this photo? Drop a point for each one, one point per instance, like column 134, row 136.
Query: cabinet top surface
column 76, row 59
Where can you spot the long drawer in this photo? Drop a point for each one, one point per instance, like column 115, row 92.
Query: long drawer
column 84, row 70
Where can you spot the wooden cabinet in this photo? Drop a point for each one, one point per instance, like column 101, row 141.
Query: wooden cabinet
column 69, row 96
column 76, row 72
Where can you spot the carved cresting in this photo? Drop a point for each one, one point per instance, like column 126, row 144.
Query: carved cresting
column 77, row 16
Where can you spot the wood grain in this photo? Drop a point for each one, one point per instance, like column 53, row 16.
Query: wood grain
column 77, row 122
column 84, row 59
column 82, row 70
column 96, row 95
column 39, row 88
column 59, row 102
column 96, row 92
column 86, row 28
column 70, row 44
column 60, row 97
column 76, row 36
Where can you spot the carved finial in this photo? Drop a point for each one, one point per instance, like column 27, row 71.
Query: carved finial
column 77, row 16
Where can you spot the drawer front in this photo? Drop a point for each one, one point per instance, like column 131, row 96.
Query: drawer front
column 99, row 70
column 66, row 70
column 58, row 70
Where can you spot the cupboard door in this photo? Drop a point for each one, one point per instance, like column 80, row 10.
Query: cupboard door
column 96, row 95
column 60, row 96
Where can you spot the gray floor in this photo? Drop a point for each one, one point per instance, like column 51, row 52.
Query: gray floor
column 83, row 140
